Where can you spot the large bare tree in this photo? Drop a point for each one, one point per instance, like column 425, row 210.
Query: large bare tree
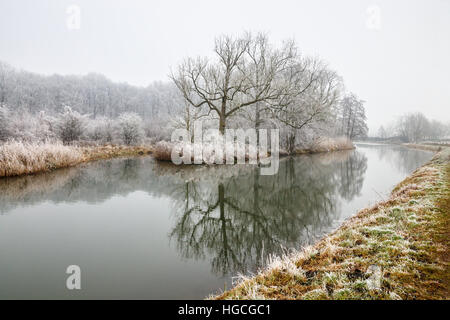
column 246, row 71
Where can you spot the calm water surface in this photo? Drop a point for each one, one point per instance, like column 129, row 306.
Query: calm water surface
column 140, row 229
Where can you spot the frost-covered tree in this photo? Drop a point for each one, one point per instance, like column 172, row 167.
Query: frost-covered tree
column 382, row 133
column 131, row 128
column 6, row 77
column 313, row 108
column 413, row 127
column 4, row 124
column 70, row 125
column 353, row 117
column 246, row 71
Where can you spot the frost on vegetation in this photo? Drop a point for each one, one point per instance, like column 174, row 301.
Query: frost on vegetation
column 287, row 266
column 394, row 296
column 374, row 280
column 315, row 294
column 207, row 152
column 70, row 127
column 18, row 158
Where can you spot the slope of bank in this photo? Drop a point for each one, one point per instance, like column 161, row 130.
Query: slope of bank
column 17, row 158
column 426, row 147
column 397, row 249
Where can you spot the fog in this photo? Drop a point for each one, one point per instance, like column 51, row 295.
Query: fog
column 392, row 54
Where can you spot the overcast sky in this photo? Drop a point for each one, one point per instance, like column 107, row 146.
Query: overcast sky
column 393, row 54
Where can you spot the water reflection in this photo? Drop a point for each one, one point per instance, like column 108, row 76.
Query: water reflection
column 238, row 220
column 230, row 216
column 403, row 159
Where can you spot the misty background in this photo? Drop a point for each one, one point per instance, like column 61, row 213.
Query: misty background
column 393, row 54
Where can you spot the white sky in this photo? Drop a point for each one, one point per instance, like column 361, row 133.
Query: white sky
column 400, row 65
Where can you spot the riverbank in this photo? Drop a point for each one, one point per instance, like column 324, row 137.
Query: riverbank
column 327, row 145
column 18, row 158
column 426, row 147
column 163, row 149
column 397, row 249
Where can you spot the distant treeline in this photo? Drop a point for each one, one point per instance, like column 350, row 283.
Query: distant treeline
column 413, row 127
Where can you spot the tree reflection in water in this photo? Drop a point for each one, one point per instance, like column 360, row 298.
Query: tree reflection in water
column 404, row 159
column 239, row 219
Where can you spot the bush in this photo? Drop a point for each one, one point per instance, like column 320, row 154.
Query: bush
column 71, row 125
column 163, row 151
column 100, row 129
column 131, row 128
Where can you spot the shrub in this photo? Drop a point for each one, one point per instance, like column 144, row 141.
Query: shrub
column 71, row 125
column 131, row 128
column 163, row 151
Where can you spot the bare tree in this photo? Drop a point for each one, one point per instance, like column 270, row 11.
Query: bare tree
column 382, row 133
column 353, row 117
column 6, row 72
column 246, row 72
column 315, row 96
column 313, row 103
column 413, row 127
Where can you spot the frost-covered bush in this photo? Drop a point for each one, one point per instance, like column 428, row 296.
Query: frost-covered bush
column 207, row 151
column 23, row 126
column 131, row 128
column 100, row 129
column 45, row 127
column 70, row 125
column 163, row 151
column 158, row 129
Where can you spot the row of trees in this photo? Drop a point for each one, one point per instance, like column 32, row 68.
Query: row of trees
column 414, row 127
column 249, row 83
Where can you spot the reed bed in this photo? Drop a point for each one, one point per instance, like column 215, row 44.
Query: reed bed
column 18, row 158
column 331, row 144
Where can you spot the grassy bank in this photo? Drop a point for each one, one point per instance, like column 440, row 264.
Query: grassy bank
column 397, row 249
column 425, row 147
column 17, row 158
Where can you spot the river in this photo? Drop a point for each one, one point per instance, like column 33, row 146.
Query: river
column 139, row 229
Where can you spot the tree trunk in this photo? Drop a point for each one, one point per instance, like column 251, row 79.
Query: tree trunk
column 257, row 123
column 222, row 124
